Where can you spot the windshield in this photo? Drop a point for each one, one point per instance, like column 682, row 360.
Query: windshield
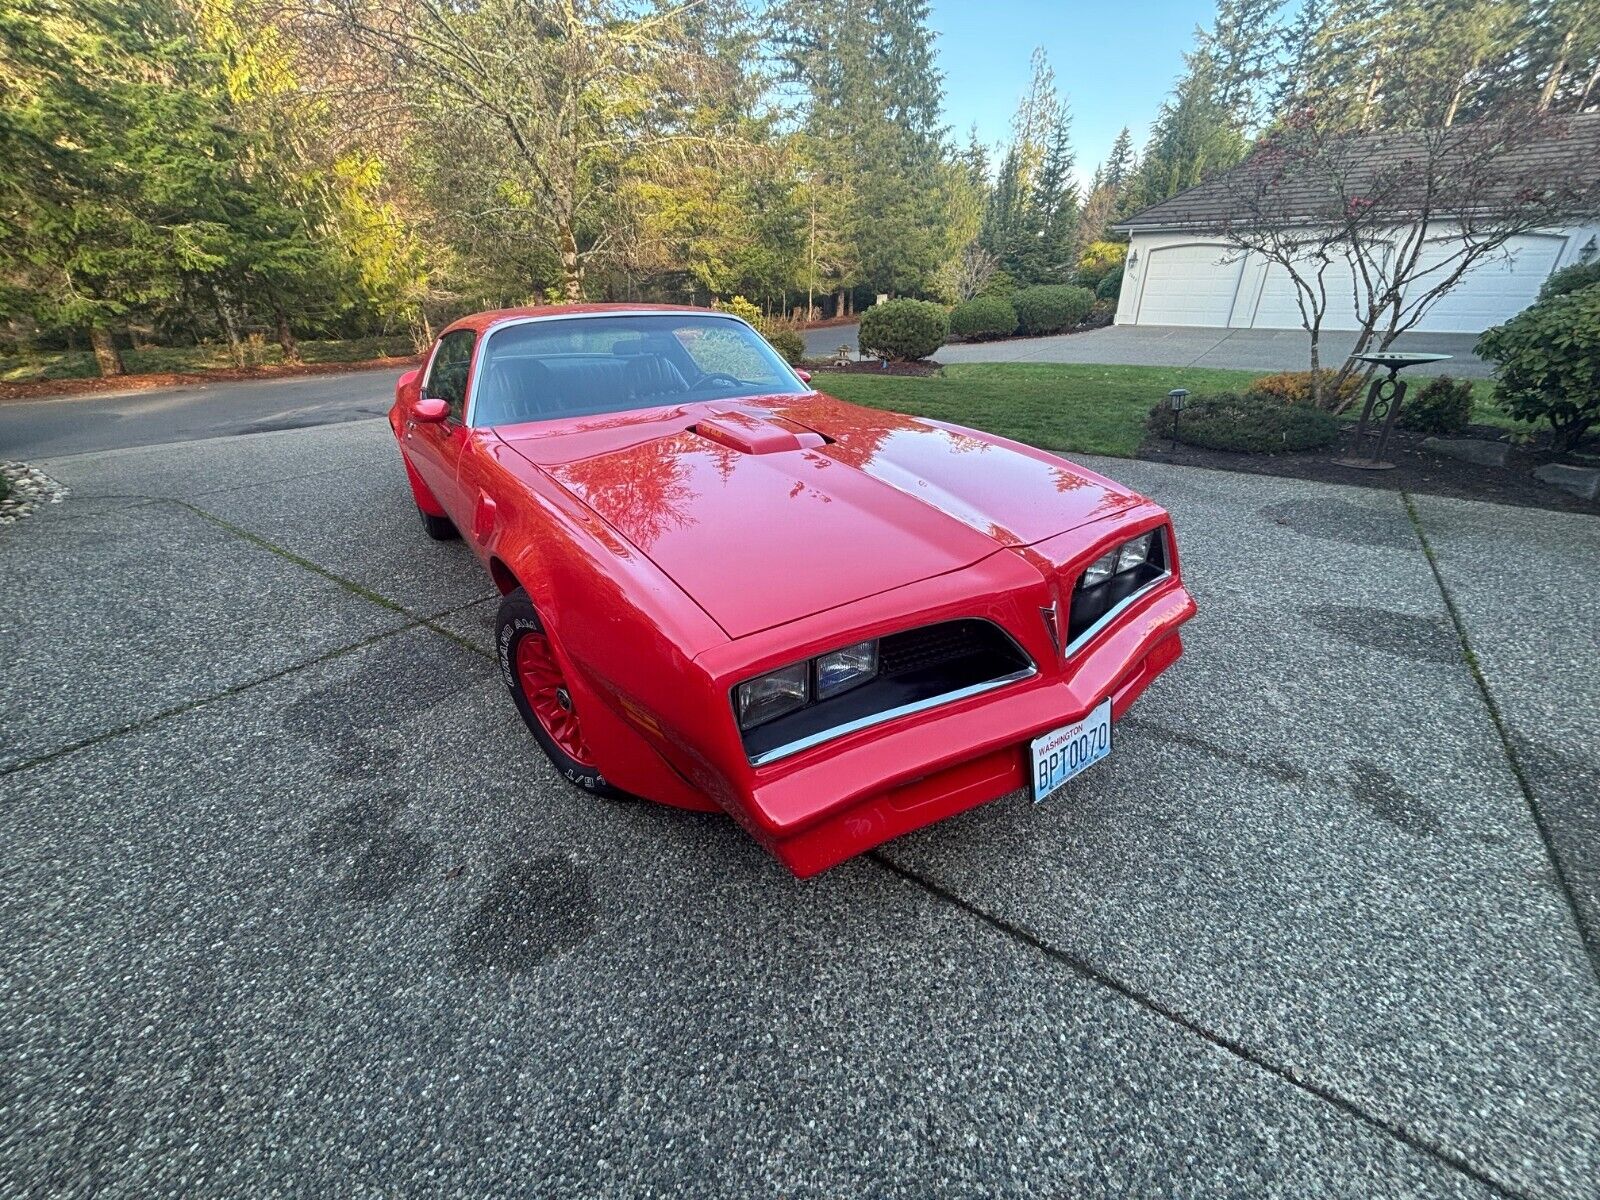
column 575, row 366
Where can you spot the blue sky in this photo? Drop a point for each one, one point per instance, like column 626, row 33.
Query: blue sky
column 1114, row 61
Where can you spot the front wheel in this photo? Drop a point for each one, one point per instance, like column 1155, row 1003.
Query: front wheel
column 538, row 683
column 440, row 529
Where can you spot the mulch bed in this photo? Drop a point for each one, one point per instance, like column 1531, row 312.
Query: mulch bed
column 36, row 389
column 871, row 366
column 1416, row 470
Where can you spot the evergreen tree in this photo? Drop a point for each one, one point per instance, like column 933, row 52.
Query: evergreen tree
column 1244, row 46
column 1194, row 136
column 143, row 197
column 1052, row 210
column 1299, row 51
column 1119, row 165
column 871, row 109
column 1032, row 209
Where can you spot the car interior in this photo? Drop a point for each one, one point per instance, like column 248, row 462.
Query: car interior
column 562, row 374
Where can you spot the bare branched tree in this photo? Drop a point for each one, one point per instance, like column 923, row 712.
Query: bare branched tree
column 1385, row 225
column 966, row 274
column 557, row 104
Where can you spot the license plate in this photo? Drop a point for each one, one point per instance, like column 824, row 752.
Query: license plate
column 1070, row 750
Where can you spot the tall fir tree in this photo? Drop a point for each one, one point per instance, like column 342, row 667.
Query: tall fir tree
column 1194, row 136
column 1033, row 206
column 1119, row 165
column 871, row 106
column 1245, row 48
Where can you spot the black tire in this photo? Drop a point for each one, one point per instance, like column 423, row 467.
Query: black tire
column 516, row 621
column 440, row 529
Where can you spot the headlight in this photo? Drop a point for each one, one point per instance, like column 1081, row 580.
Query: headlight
column 1134, row 553
column 777, row 693
column 1114, row 577
column 773, row 694
column 843, row 669
column 1101, row 569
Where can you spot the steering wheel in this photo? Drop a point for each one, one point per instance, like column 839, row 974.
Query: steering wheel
column 721, row 377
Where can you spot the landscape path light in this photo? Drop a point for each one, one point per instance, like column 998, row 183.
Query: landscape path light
column 1175, row 401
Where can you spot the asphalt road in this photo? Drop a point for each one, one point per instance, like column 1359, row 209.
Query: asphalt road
column 32, row 429
column 291, row 903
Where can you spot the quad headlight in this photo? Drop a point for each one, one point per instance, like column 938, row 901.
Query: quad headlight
column 767, row 697
column 773, row 694
column 1113, row 578
column 1133, row 553
column 843, row 669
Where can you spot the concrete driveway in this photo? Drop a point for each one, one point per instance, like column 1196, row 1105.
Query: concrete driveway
column 1261, row 350
column 292, row 903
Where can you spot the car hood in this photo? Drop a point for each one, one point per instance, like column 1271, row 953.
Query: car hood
column 765, row 511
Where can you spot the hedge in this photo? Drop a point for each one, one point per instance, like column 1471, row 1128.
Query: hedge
column 1110, row 285
column 1052, row 307
column 983, row 318
column 787, row 343
column 1294, row 387
column 1548, row 360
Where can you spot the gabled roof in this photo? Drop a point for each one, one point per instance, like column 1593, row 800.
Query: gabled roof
column 1564, row 152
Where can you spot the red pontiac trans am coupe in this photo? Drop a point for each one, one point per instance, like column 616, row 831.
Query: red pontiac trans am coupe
column 723, row 589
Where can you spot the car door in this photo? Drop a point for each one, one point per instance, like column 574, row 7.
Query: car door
column 435, row 448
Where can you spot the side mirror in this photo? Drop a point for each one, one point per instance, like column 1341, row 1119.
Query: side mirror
column 805, row 376
column 431, row 411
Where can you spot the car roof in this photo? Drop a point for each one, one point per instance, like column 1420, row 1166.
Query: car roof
column 479, row 322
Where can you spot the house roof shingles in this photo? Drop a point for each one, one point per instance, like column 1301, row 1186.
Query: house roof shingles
column 1566, row 150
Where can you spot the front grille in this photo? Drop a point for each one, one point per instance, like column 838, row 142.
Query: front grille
column 938, row 645
column 917, row 669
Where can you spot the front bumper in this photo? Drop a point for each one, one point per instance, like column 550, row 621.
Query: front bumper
column 901, row 777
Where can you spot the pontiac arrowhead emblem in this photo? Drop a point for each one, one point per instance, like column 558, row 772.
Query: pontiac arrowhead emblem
column 1052, row 624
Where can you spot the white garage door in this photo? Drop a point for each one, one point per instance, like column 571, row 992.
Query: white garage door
column 1498, row 286
column 1276, row 309
column 1189, row 285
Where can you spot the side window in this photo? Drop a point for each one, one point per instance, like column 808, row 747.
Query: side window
column 447, row 379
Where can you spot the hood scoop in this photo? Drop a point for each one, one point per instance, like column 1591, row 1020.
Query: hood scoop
column 756, row 433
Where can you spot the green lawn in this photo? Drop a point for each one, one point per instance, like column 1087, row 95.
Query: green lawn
column 1084, row 408
column 79, row 364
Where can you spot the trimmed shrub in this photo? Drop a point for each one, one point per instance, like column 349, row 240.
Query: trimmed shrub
column 1250, row 424
column 984, row 318
column 903, row 330
column 1548, row 357
column 787, row 343
column 1442, row 405
column 1571, row 279
column 1051, row 307
column 1294, row 387
column 1110, row 286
